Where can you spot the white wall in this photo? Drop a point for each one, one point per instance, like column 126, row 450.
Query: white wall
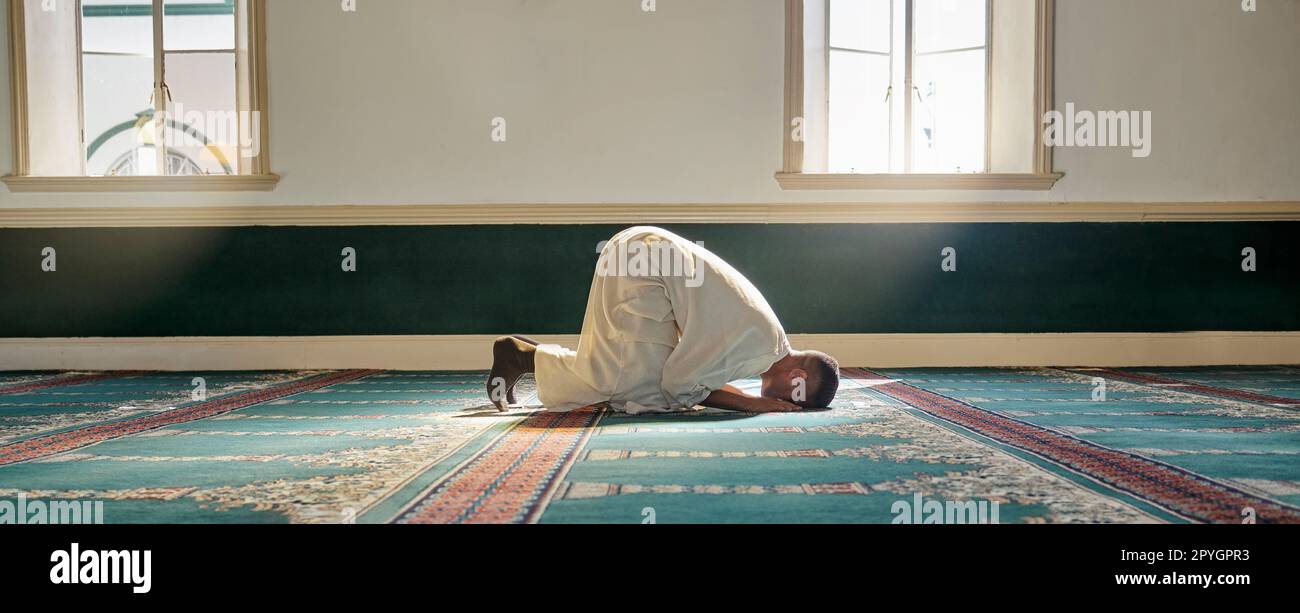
column 1223, row 87
column 606, row 103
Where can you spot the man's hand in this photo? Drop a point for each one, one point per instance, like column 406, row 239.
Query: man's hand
column 774, row 405
column 732, row 399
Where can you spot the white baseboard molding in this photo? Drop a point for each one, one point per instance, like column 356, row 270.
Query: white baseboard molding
column 472, row 352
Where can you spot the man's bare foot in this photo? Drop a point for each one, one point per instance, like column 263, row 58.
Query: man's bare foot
column 512, row 358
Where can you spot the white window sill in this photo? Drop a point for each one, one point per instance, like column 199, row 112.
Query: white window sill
column 220, row 183
column 968, row 181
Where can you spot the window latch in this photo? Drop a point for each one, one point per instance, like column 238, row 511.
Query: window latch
column 167, row 94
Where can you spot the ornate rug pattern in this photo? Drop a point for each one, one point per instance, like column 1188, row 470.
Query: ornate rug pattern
column 900, row 446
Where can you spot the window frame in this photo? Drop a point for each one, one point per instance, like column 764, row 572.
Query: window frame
column 1043, row 176
column 259, row 176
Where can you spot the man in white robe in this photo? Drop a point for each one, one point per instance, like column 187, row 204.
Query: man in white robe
column 668, row 326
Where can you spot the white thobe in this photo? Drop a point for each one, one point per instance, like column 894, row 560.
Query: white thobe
column 667, row 323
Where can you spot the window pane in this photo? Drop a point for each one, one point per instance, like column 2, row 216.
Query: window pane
column 948, row 116
column 860, row 24
column 117, row 87
column 859, row 113
column 117, row 26
column 117, row 108
column 949, row 24
column 204, row 135
column 199, row 25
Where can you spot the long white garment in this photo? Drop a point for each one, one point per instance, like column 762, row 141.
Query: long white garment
column 667, row 323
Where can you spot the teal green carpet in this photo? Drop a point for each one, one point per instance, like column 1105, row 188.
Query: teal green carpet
column 1035, row 446
column 1255, row 446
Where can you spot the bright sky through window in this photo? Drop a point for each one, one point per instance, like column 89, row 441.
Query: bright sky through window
column 907, row 86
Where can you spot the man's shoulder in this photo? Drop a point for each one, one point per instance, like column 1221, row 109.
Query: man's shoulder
column 655, row 240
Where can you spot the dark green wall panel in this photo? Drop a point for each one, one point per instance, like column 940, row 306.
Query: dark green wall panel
column 1120, row 277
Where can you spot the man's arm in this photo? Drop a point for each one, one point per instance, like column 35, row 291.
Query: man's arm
column 732, row 399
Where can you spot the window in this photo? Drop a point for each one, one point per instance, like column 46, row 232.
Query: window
column 924, row 94
column 139, row 94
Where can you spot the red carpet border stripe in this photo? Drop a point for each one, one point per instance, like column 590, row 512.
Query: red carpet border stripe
column 1182, row 492
column 52, row 444
column 63, row 380
column 1189, row 386
column 511, row 480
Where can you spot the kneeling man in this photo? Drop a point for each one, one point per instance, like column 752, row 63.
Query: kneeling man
column 669, row 325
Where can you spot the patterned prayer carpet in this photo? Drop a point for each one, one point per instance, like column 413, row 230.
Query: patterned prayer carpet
column 964, row 445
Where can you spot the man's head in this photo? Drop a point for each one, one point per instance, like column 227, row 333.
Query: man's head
column 806, row 378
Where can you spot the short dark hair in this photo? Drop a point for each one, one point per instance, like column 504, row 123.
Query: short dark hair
column 824, row 371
